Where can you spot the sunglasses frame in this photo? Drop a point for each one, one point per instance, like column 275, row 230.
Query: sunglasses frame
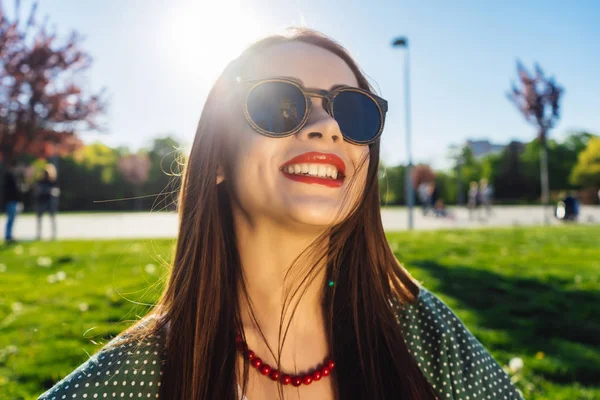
column 308, row 93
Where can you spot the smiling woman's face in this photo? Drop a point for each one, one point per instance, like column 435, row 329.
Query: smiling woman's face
column 267, row 177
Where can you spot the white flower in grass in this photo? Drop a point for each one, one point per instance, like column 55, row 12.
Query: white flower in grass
column 515, row 365
column 19, row 250
column 45, row 262
column 83, row 307
column 61, row 276
column 17, row 307
column 150, row 268
column 51, row 278
column 2, row 267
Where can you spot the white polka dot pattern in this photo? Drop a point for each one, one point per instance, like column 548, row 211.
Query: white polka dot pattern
column 453, row 361
column 119, row 371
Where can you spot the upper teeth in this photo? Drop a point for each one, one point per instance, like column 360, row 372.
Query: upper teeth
column 321, row 170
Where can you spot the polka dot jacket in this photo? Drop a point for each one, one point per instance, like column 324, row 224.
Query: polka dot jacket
column 456, row 365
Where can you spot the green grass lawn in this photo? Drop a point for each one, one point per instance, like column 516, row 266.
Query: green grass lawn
column 531, row 293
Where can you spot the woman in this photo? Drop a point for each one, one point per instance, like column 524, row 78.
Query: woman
column 12, row 195
column 47, row 193
column 283, row 284
column 473, row 201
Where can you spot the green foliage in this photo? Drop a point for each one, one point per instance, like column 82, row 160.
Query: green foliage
column 392, row 184
column 515, row 173
column 90, row 178
column 471, row 167
column 586, row 172
column 99, row 156
column 447, row 187
column 526, row 292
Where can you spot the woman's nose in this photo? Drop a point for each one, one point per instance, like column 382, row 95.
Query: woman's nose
column 320, row 125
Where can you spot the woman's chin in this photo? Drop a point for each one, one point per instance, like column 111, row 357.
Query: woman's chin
column 316, row 217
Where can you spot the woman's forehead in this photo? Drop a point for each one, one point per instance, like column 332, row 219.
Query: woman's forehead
column 314, row 66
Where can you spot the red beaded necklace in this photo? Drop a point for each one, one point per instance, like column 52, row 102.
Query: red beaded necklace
column 265, row 369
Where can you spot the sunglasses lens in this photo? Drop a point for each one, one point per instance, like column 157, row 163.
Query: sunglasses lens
column 276, row 107
column 357, row 115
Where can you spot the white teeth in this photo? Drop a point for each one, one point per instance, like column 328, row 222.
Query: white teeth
column 320, row 170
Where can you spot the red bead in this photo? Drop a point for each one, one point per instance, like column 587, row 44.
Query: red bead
column 286, row 379
column 331, row 364
column 316, row 375
column 307, row 379
column 265, row 369
column 250, row 355
column 274, row 375
column 256, row 362
column 296, row 381
column 325, row 371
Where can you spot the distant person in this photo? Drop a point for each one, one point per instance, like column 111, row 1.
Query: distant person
column 439, row 209
column 472, row 201
column 567, row 209
column 424, row 197
column 47, row 195
column 434, row 194
column 283, row 285
column 12, row 196
column 486, row 193
column 571, row 207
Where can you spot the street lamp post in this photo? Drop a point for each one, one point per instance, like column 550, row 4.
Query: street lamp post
column 409, row 190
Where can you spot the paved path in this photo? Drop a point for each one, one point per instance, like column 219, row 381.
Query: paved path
column 164, row 224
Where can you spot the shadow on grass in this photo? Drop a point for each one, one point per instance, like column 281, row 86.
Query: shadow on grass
column 535, row 315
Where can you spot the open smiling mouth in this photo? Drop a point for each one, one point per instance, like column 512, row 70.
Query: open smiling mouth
column 316, row 168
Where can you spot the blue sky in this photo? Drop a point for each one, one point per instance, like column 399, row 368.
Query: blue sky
column 158, row 58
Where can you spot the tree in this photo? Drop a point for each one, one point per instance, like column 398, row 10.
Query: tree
column 42, row 104
column 586, row 172
column 538, row 100
column 561, row 159
column 578, row 141
column 510, row 174
column 422, row 173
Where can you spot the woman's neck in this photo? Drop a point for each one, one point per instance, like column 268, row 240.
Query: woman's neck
column 267, row 250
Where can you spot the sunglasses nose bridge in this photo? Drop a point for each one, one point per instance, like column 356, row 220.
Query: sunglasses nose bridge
column 323, row 99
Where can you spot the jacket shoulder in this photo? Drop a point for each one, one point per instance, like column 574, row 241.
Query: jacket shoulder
column 123, row 368
column 454, row 362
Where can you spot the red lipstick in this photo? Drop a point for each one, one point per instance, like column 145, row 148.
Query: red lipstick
column 314, row 157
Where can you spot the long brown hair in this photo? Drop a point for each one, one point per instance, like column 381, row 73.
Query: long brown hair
column 199, row 310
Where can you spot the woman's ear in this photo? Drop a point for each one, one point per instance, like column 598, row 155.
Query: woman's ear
column 220, row 174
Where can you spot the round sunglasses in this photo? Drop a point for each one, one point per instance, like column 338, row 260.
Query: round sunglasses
column 279, row 107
